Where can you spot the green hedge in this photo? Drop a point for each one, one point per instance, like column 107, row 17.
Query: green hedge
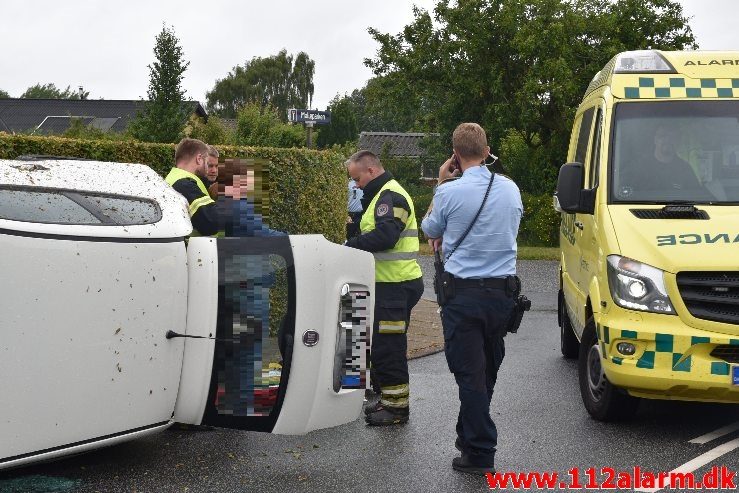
column 307, row 187
column 540, row 223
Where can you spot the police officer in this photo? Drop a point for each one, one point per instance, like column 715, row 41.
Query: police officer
column 389, row 230
column 354, row 205
column 191, row 167
column 475, row 319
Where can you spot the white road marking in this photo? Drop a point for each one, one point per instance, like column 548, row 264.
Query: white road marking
column 700, row 461
column 716, row 434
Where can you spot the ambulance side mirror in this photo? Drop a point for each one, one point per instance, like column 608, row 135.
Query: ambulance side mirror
column 570, row 193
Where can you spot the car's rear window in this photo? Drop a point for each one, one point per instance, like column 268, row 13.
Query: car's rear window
column 71, row 207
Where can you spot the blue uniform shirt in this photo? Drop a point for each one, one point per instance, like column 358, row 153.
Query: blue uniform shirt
column 490, row 248
column 355, row 197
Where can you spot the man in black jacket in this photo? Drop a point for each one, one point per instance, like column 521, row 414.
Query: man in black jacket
column 191, row 167
column 388, row 229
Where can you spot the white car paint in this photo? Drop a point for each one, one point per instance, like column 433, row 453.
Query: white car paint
column 84, row 361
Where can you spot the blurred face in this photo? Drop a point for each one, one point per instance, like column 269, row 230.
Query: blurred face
column 212, row 173
column 240, row 185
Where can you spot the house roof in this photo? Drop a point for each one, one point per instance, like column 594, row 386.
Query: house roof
column 229, row 123
column 396, row 143
column 52, row 116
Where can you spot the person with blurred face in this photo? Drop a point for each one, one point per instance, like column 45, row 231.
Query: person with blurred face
column 661, row 168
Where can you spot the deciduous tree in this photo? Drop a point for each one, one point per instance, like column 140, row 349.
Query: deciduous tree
column 343, row 127
column 282, row 81
column 50, row 91
column 517, row 66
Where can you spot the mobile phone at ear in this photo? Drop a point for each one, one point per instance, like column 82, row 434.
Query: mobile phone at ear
column 455, row 163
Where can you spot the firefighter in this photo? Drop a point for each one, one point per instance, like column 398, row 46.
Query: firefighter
column 191, row 167
column 389, row 231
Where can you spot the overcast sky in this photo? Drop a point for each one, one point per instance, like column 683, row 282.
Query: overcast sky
column 106, row 46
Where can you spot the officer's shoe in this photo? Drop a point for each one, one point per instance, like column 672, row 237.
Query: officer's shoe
column 387, row 416
column 463, row 464
column 373, row 407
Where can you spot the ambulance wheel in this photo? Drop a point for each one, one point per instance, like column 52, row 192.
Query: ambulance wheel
column 568, row 342
column 603, row 401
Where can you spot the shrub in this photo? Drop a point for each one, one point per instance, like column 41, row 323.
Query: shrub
column 257, row 126
column 540, row 222
column 212, row 131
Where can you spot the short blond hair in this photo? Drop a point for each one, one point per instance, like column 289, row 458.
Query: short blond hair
column 469, row 141
column 365, row 158
column 188, row 149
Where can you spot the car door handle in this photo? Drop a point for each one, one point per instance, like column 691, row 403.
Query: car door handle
column 579, row 225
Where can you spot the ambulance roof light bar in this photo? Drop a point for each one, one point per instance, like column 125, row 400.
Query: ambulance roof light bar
column 644, row 62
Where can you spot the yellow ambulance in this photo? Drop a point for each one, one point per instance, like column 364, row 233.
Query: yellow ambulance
column 649, row 272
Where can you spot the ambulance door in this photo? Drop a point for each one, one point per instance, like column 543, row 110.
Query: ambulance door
column 572, row 234
column 589, row 248
column 283, row 326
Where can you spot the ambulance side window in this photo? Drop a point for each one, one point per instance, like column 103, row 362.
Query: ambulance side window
column 583, row 138
column 594, row 168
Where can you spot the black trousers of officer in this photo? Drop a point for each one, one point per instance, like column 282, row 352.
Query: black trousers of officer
column 393, row 303
column 474, row 323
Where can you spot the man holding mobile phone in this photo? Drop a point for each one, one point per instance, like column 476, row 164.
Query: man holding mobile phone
column 474, row 221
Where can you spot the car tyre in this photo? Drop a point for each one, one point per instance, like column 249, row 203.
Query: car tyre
column 603, row 401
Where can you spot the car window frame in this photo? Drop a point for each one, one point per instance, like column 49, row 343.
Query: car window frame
column 78, row 197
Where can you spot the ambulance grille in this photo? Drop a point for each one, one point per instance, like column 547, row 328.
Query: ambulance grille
column 671, row 213
column 730, row 354
column 711, row 295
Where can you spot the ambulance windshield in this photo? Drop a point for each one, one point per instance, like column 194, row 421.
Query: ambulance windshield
column 676, row 151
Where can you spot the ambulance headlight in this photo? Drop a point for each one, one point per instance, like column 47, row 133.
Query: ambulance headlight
column 642, row 61
column 638, row 286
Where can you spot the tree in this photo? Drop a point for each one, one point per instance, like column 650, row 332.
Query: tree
column 516, row 66
column 4, row 95
column 280, row 81
column 376, row 112
column 50, row 91
column 343, row 126
column 165, row 114
column 212, row 131
column 262, row 127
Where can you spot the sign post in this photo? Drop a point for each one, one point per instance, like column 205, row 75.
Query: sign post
column 309, row 118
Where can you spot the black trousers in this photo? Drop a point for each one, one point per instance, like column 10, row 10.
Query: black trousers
column 474, row 323
column 393, row 304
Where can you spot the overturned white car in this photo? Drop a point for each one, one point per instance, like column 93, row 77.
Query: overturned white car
column 113, row 326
